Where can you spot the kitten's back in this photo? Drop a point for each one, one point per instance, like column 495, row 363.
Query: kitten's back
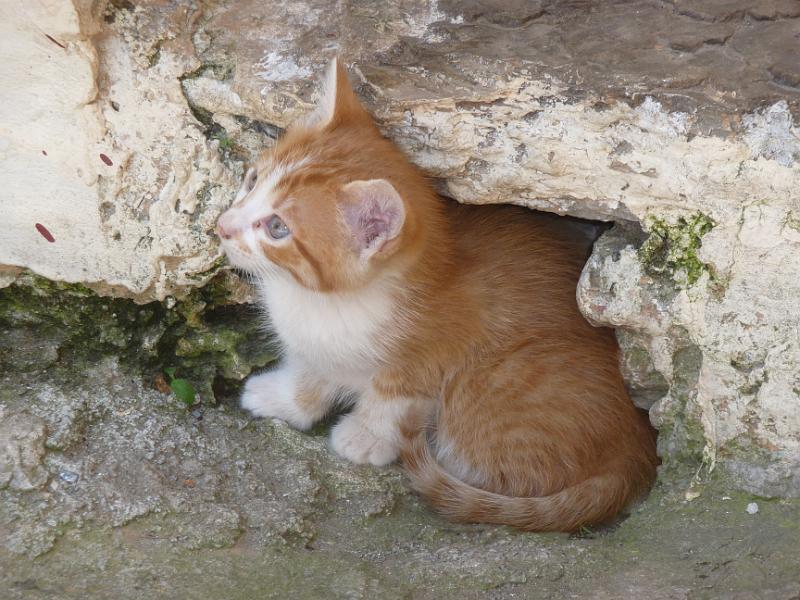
column 535, row 428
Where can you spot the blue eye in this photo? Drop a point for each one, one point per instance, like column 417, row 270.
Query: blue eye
column 276, row 229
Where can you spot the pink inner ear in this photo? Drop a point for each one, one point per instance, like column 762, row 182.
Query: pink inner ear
column 371, row 230
column 377, row 225
column 376, row 214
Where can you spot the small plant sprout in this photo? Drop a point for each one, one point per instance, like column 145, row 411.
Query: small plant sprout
column 182, row 388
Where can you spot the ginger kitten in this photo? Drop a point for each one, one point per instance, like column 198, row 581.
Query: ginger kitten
column 452, row 330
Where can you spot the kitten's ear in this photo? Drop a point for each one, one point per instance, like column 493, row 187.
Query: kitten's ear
column 374, row 214
column 338, row 103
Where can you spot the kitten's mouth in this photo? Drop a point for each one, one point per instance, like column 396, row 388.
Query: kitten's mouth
column 235, row 256
column 241, row 259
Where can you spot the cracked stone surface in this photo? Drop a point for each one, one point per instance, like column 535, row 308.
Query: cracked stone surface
column 137, row 496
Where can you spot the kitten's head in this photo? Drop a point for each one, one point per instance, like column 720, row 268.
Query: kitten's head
column 323, row 206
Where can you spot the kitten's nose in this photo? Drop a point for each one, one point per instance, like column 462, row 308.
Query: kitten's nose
column 221, row 232
column 225, row 231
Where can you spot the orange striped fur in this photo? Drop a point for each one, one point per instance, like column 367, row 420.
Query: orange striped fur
column 453, row 331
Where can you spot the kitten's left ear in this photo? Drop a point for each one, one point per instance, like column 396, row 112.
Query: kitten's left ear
column 338, row 103
column 374, row 214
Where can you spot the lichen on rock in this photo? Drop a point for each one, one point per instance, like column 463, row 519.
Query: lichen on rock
column 672, row 249
column 207, row 336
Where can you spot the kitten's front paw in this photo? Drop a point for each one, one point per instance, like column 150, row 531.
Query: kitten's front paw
column 272, row 395
column 351, row 439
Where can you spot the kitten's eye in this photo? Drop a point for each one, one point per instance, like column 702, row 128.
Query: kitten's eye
column 276, row 229
column 250, row 181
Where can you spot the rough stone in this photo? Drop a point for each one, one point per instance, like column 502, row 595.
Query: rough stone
column 108, row 161
column 157, row 87
column 146, row 498
column 21, row 451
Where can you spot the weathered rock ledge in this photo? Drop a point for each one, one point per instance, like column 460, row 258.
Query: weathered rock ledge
column 674, row 120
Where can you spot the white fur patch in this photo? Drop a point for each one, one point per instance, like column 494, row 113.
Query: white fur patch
column 250, row 205
column 272, row 394
column 248, row 208
column 344, row 337
column 371, row 433
column 270, row 178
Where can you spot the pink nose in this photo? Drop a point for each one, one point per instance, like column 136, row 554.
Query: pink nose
column 222, row 232
column 225, row 229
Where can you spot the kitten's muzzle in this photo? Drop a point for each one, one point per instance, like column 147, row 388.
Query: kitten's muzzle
column 227, row 226
column 222, row 232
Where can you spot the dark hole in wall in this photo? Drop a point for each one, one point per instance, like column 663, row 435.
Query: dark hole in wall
column 649, row 385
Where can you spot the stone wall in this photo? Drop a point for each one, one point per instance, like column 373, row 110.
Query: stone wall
column 125, row 127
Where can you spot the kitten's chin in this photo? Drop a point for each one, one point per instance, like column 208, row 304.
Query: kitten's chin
column 245, row 263
column 256, row 269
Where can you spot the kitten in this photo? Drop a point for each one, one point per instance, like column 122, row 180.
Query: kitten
column 453, row 331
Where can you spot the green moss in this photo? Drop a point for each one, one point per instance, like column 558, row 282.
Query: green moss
column 682, row 437
column 672, row 249
column 225, row 143
column 215, row 343
column 212, row 342
column 89, row 325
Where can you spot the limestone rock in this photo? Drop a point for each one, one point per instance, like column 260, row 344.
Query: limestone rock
column 151, row 500
column 129, row 454
column 107, row 177
column 22, row 451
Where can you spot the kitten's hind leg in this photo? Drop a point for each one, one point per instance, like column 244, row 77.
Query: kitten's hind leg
column 371, row 432
column 289, row 393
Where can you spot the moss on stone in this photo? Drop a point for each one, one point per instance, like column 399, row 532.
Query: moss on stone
column 210, row 341
column 682, row 439
column 88, row 325
column 672, row 249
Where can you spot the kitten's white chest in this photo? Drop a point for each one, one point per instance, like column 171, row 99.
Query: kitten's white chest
column 342, row 336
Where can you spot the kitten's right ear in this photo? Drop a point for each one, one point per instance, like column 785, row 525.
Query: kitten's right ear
column 338, row 103
column 374, row 214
